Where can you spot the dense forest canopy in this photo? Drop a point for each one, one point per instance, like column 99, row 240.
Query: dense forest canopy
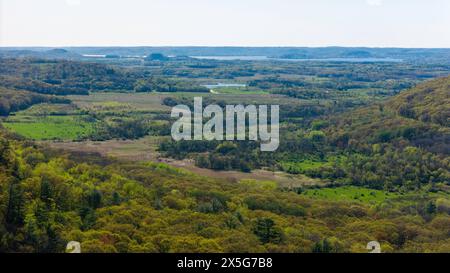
column 48, row 199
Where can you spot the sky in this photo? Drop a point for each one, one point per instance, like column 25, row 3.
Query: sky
column 372, row 23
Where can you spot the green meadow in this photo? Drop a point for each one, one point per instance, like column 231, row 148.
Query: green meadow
column 55, row 122
column 351, row 194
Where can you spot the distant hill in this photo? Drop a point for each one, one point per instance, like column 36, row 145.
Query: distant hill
column 48, row 53
column 156, row 57
column 58, row 51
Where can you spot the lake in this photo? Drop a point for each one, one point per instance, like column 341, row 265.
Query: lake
column 232, row 58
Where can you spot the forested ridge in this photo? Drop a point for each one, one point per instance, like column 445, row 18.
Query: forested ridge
column 16, row 100
column 417, row 117
column 63, row 77
column 427, row 102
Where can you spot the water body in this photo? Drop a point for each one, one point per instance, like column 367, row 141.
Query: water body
column 348, row 60
column 219, row 85
column 265, row 58
column 94, row 56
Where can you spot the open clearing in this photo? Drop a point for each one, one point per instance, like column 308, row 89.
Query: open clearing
column 153, row 102
column 50, row 121
column 350, row 193
column 52, row 127
column 136, row 101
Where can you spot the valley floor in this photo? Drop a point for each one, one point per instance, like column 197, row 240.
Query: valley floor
column 144, row 149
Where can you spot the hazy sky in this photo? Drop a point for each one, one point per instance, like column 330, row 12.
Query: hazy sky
column 384, row 23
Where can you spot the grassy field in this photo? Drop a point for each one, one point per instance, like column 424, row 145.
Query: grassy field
column 350, row 193
column 51, row 121
column 50, row 127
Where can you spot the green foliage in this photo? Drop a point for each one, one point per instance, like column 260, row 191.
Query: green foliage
column 427, row 102
column 47, row 200
column 267, row 231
